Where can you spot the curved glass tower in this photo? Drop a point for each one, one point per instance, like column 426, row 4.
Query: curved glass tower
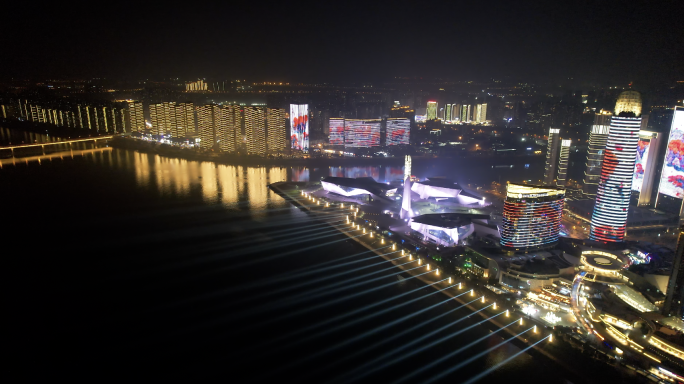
column 531, row 216
column 609, row 220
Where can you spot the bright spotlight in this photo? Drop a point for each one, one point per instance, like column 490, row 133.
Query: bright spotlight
column 483, row 299
column 450, row 280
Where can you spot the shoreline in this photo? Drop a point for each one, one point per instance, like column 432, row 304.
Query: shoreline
column 429, row 279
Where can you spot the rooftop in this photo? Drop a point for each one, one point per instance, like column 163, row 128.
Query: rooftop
column 448, row 220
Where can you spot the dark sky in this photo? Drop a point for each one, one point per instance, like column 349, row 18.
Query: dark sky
column 348, row 41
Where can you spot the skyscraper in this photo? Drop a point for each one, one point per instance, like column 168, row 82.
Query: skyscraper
column 276, row 130
column 609, row 219
column 596, row 149
column 205, row 126
column 136, row 116
column 531, row 216
column 552, row 152
column 675, row 286
column 645, row 167
column 447, row 112
column 628, row 101
column 671, row 187
column 255, row 130
column 563, row 159
column 336, row 131
column 431, row 110
column 227, row 120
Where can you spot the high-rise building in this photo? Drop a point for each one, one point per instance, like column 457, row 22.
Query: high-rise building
column 531, row 217
column 609, row 219
column 398, row 131
column 195, row 86
column 628, row 101
column 552, row 152
column 205, row 126
column 483, row 112
column 276, row 129
column 299, row 127
column 362, row 133
column 671, row 187
column 255, row 130
column 432, row 110
column 645, row 167
column 675, row 286
column 563, row 159
column 227, row 123
column 447, row 112
column 596, row 149
column 336, row 131
column 136, row 116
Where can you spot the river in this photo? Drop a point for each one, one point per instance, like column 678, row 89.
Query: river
column 129, row 265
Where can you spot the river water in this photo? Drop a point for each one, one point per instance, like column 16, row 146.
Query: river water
column 128, row 265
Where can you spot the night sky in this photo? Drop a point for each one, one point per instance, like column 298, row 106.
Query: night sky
column 335, row 41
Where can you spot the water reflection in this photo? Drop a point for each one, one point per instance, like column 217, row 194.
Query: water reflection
column 17, row 137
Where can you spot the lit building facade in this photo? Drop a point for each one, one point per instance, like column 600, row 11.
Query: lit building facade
column 671, row 186
column 552, row 154
column 227, row 122
column 362, row 133
column 596, row 149
column 431, row 110
column 531, row 217
column 205, row 126
column 276, row 130
column 196, row 86
column 398, row 131
column 645, row 168
column 336, row 131
column 255, row 130
column 136, row 116
column 628, row 101
column 609, row 219
column 563, row 158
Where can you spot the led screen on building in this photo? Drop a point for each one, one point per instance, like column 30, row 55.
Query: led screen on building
column 299, row 127
column 336, row 131
column 640, row 166
column 398, row 131
column 420, row 118
column 362, row 133
column 672, row 177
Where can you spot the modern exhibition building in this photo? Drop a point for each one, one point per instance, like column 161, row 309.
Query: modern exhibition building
column 358, row 187
column 441, row 188
column 448, row 229
column 531, row 217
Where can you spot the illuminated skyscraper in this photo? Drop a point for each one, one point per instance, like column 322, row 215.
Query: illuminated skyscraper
column 628, row 101
column 196, row 86
column 255, row 130
column 276, row 129
column 675, row 286
column 205, row 126
column 552, row 152
column 671, row 187
column 447, row 112
column 597, row 147
column 609, row 219
column 398, row 132
column 336, row 131
column 137, row 118
column 563, row 159
column 531, row 216
column 431, row 110
column 648, row 150
column 362, row 133
column 228, row 133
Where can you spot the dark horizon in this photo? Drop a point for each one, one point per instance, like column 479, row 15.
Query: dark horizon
column 612, row 42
